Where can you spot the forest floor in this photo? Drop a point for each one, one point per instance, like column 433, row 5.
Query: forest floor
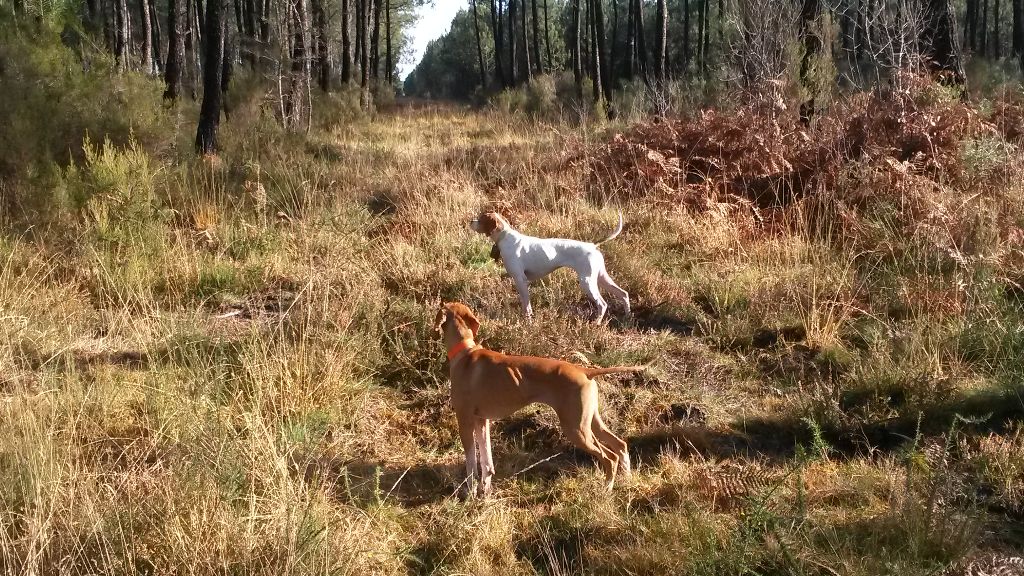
column 228, row 366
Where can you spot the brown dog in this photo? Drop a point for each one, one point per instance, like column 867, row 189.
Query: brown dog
column 487, row 385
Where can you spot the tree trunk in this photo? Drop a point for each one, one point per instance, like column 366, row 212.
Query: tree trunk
column 213, row 56
column 513, row 62
column 997, row 51
column 686, row 36
column 346, row 42
column 265, row 23
column 1018, row 28
column 388, row 55
column 147, row 38
column 707, row 35
column 939, row 42
column 812, row 44
column 499, row 48
column 375, row 43
column 640, row 35
column 365, row 99
column 175, row 50
column 296, row 100
column 538, row 59
column 323, row 56
column 479, row 48
column 158, row 54
column 121, row 38
column 600, row 64
column 525, row 28
column 630, row 41
column 662, row 42
column 983, row 35
column 227, row 60
column 577, row 60
column 547, row 37
column 970, row 9
column 360, row 25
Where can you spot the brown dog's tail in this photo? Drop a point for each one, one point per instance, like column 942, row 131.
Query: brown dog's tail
column 591, row 372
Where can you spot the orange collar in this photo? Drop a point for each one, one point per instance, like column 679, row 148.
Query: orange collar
column 459, row 348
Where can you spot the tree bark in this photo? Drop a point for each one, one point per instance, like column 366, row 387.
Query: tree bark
column 983, row 33
column 662, row 42
column 228, row 58
column 265, row 23
column 601, row 65
column 640, row 35
column 939, row 42
column 812, row 44
column 707, row 35
column 1018, row 28
column 499, row 48
column 513, row 62
column 686, row 36
column 121, row 34
column 375, row 42
column 538, row 58
column 158, row 54
column 323, row 57
column 346, row 42
column 360, row 47
column 997, row 51
column 365, row 99
column 525, row 28
column 479, row 48
column 547, row 37
column 388, row 55
column 577, row 60
column 175, row 50
column 147, row 38
column 213, row 56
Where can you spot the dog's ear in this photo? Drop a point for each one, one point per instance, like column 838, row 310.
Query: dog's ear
column 488, row 223
column 440, row 318
column 469, row 319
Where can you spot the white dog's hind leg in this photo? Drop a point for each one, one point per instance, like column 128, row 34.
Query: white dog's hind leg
column 589, row 285
column 610, row 285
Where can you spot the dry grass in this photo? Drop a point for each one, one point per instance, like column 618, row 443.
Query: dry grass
column 213, row 367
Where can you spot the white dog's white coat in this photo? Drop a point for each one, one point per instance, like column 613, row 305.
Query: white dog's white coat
column 528, row 258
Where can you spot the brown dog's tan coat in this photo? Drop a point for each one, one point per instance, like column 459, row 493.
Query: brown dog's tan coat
column 488, row 385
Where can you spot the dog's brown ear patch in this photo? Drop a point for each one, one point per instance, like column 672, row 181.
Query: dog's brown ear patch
column 488, row 223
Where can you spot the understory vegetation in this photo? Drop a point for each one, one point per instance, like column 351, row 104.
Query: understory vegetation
column 226, row 364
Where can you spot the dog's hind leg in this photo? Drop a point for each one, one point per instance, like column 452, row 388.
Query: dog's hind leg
column 467, row 433
column 606, row 281
column 482, row 434
column 612, row 442
column 590, row 288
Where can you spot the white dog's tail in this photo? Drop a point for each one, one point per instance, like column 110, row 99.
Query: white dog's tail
column 615, row 233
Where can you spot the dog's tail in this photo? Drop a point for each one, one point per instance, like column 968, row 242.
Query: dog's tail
column 595, row 371
column 615, row 233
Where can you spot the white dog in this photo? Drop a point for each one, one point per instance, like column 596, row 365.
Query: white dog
column 528, row 258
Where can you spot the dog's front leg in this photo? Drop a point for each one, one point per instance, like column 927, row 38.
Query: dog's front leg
column 467, row 433
column 523, row 288
column 483, row 443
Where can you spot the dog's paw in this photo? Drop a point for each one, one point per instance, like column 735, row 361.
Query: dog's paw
column 495, row 253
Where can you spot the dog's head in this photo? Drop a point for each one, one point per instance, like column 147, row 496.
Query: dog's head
column 456, row 318
column 487, row 223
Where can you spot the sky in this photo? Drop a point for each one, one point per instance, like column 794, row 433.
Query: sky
column 434, row 20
